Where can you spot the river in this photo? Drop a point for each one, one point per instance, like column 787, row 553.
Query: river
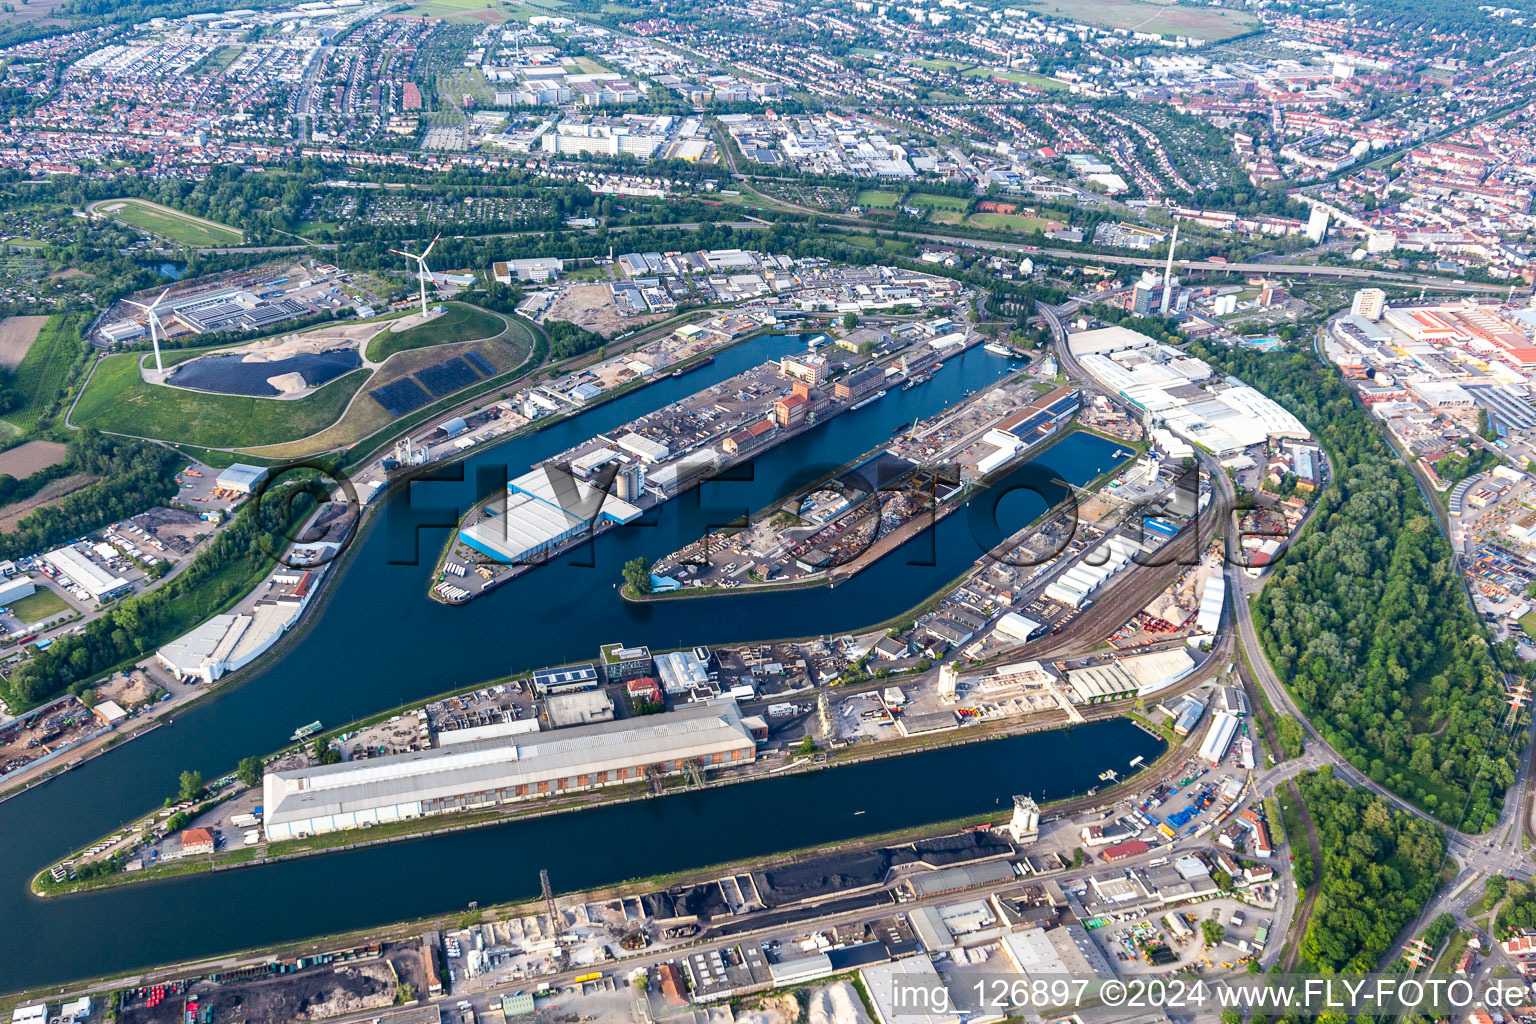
column 379, row 641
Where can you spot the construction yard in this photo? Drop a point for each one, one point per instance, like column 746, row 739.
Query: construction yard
column 593, row 306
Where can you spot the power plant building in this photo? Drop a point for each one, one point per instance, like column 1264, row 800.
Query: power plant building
column 502, row 770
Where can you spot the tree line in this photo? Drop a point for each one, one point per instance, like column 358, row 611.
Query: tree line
column 1379, row 868
column 1366, row 616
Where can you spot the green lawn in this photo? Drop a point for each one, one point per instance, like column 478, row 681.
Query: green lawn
column 1210, row 23
column 937, row 202
column 1021, row 77
column 39, row 605
column 1011, row 222
column 117, row 399
column 1528, row 623
column 178, row 227
column 460, row 322
column 43, row 370
column 880, row 199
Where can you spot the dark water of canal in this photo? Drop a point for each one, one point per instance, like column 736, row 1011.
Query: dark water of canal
column 378, row 642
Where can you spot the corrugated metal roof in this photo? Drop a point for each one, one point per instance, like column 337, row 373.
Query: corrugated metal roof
column 503, row 762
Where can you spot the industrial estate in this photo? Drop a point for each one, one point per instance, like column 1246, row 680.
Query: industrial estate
column 751, row 513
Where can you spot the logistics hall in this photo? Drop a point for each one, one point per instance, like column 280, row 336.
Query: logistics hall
column 502, row 769
column 543, row 509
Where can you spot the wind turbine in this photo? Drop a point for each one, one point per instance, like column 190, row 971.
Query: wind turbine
column 421, row 265
column 154, row 323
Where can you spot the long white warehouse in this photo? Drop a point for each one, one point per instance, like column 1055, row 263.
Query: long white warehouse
column 100, row 583
column 1218, row 737
column 501, row 770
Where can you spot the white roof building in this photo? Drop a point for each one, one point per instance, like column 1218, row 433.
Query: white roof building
column 681, row 672
column 1014, row 625
column 544, row 508
column 643, row 447
column 1163, row 383
column 241, row 478
column 1211, row 600
column 98, row 582
column 487, row 773
column 226, row 643
column 15, row 589
column 1218, row 737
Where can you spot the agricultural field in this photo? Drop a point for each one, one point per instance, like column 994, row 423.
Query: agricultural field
column 17, row 333
column 179, row 227
column 42, row 372
column 458, row 322
column 38, row 10
column 1210, row 23
column 117, row 399
column 488, row 12
column 25, row 459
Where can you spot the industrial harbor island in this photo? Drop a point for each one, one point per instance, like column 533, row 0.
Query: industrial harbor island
column 678, row 512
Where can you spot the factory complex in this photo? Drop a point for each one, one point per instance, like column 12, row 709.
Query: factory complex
column 499, row 769
column 1034, row 423
column 1177, row 390
column 98, row 582
column 233, row 640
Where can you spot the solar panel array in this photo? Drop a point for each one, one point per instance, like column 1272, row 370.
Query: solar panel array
column 401, row 396
column 446, row 377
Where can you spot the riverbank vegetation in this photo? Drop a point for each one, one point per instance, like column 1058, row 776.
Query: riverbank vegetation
column 1379, row 868
column 1366, row 617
